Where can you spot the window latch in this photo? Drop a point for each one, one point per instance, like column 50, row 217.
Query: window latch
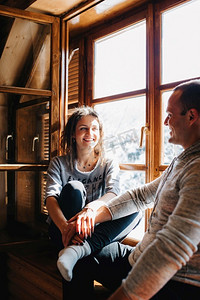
column 144, row 129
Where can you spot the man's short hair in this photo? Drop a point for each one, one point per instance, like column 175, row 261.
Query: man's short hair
column 190, row 97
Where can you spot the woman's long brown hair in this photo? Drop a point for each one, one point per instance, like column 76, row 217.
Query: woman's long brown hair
column 68, row 142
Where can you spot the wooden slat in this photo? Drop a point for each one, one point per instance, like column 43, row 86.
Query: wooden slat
column 162, row 168
column 24, row 91
column 73, row 91
column 73, row 78
column 73, row 86
column 55, row 131
column 132, row 167
column 80, row 8
column 32, row 65
column 170, row 86
column 23, row 167
column 32, row 16
column 120, row 96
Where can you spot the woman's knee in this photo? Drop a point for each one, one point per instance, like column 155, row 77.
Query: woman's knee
column 74, row 186
column 72, row 198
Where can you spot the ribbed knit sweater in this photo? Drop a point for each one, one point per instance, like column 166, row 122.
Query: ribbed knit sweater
column 170, row 249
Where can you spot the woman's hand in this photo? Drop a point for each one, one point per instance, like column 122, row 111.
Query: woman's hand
column 68, row 232
column 78, row 239
column 85, row 221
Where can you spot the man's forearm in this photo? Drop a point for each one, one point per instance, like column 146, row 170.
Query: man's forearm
column 102, row 212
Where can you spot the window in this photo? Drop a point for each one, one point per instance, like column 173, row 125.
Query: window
column 132, row 65
column 181, row 42
column 123, row 120
column 119, row 61
column 180, row 47
column 119, row 77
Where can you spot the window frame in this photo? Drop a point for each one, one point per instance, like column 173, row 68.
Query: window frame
column 151, row 11
column 131, row 18
column 159, row 87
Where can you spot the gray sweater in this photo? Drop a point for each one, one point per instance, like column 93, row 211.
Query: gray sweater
column 170, row 249
column 102, row 179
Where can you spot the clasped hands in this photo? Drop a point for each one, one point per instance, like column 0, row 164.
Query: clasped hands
column 79, row 227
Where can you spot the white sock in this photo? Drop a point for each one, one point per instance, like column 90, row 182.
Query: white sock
column 69, row 256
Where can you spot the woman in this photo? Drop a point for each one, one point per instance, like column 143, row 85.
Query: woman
column 81, row 175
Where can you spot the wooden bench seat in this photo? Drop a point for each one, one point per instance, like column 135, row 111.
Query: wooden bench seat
column 32, row 273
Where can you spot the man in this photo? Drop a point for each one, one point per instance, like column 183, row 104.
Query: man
column 166, row 263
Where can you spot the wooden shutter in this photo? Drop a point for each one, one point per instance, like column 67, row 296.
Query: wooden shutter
column 73, row 77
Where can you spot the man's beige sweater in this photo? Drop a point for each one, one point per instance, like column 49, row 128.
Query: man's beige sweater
column 170, row 248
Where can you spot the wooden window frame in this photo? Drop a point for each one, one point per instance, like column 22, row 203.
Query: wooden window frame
column 135, row 16
column 161, row 7
column 151, row 11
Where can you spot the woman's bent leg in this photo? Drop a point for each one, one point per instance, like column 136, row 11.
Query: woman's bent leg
column 110, row 231
column 81, row 286
column 103, row 235
column 109, row 267
column 72, row 199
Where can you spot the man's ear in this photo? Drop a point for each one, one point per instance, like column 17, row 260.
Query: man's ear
column 193, row 115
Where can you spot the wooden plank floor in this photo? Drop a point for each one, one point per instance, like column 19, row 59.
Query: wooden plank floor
column 32, row 273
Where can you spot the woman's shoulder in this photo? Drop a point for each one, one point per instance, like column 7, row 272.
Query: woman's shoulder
column 110, row 161
column 59, row 160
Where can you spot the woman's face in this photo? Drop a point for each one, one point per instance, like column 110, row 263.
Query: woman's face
column 87, row 133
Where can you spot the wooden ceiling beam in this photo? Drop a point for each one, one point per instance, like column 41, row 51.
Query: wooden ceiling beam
column 6, row 23
column 80, row 8
column 21, row 4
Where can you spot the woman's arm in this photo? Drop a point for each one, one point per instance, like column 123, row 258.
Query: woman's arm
column 93, row 213
column 111, row 207
column 67, row 230
column 56, row 213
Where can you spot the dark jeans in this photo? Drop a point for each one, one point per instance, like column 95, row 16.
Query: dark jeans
column 109, row 267
column 72, row 199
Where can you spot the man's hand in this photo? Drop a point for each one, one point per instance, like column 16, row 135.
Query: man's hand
column 85, row 221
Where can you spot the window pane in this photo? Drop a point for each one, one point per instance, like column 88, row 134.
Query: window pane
column 130, row 180
column 122, row 125
column 170, row 150
column 120, row 61
column 138, row 232
column 181, row 42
